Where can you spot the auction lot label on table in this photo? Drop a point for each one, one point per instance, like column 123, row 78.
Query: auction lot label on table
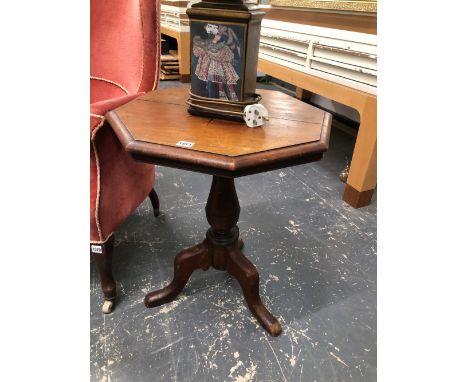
column 185, row 144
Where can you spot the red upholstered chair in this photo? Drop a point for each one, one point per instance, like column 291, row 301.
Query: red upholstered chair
column 125, row 54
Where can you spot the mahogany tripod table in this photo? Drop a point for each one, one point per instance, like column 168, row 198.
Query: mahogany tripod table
column 157, row 128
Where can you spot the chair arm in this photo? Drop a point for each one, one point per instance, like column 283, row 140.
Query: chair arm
column 99, row 109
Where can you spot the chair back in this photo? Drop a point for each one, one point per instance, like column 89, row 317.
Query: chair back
column 125, row 47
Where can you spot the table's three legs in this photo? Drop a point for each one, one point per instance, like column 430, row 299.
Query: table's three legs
column 222, row 250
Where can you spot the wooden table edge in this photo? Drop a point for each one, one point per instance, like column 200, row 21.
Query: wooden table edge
column 218, row 164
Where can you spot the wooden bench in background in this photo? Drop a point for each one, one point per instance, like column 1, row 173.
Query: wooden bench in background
column 362, row 178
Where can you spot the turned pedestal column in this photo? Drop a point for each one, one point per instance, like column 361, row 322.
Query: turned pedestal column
column 222, row 250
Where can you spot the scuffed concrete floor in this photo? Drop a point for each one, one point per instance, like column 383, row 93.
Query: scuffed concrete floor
column 317, row 262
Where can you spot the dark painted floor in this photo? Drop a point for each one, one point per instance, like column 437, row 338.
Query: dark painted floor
column 317, row 262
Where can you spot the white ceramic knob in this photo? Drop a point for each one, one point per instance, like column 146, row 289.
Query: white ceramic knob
column 255, row 115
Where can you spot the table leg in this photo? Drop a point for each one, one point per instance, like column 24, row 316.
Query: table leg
column 362, row 178
column 222, row 250
column 246, row 274
column 185, row 263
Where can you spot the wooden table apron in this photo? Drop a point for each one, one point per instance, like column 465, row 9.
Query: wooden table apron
column 222, row 248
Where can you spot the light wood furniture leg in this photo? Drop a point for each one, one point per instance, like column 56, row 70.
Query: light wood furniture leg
column 362, row 178
column 183, row 51
column 184, row 56
column 302, row 94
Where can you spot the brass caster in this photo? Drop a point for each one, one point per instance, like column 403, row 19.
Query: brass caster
column 107, row 307
column 344, row 174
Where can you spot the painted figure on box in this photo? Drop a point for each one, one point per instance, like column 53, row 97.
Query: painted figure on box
column 216, row 58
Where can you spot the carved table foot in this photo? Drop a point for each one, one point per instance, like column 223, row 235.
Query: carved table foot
column 222, row 250
column 246, row 274
column 185, row 263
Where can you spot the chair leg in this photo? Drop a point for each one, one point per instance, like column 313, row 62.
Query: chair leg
column 154, row 201
column 102, row 256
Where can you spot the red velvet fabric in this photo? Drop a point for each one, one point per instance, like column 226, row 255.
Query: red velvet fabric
column 125, row 47
column 99, row 109
column 123, row 184
column 125, row 52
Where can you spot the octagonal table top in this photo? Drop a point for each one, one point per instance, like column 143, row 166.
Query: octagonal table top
column 157, row 128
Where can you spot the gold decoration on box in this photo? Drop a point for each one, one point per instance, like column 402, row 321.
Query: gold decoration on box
column 367, row 6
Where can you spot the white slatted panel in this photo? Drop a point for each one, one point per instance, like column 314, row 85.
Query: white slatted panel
column 349, row 58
